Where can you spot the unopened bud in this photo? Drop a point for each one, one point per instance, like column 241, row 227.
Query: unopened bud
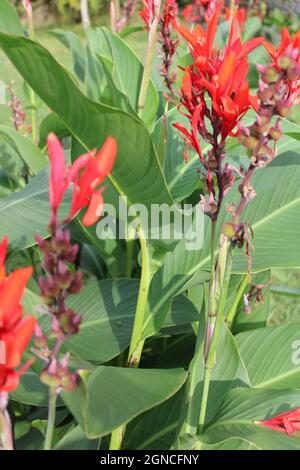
column 270, row 75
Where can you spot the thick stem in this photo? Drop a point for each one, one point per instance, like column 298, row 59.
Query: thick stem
column 233, row 309
column 219, row 297
column 51, row 419
column 152, row 39
column 136, row 344
column 117, row 438
column 85, row 15
column 129, row 257
column 31, row 92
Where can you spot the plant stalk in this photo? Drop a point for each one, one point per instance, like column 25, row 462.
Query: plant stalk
column 215, row 320
column 233, row 309
column 136, row 344
column 152, row 39
column 51, row 419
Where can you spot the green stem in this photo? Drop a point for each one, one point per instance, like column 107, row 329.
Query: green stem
column 152, row 38
column 129, row 257
column 51, row 419
column 233, row 309
column 31, row 93
column 220, row 294
column 136, row 344
column 116, row 438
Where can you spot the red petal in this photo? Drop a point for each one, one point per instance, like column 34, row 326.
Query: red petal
column 94, row 210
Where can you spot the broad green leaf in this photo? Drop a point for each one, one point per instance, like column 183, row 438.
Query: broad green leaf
column 31, row 390
column 27, row 212
column 127, row 69
column 155, row 429
column 9, row 19
column 258, row 316
column 241, row 409
column 117, row 395
column 285, row 291
column 272, row 356
column 52, row 123
column 108, row 308
column 229, row 372
column 191, row 442
column 137, row 172
column 73, row 43
column 274, row 217
column 28, row 152
column 76, row 440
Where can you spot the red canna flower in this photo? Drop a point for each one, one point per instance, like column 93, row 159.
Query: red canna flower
column 150, row 11
column 215, row 88
column 287, row 422
column 86, row 174
column 15, row 331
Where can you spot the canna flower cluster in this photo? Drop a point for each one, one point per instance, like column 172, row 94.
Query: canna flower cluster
column 15, row 329
column 62, row 279
column 168, row 45
column 215, row 91
column 150, row 12
column 200, row 10
column 86, row 174
column 287, row 422
column 279, row 89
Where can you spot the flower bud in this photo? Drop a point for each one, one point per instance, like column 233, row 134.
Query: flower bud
column 250, row 143
column 275, row 134
column 285, row 62
column 270, row 75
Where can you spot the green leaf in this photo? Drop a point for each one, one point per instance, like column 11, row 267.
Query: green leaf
column 27, row 212
column 108, row 308
column 127, row 69
column 258, row 316
column 31, row 390
column 155, row 429
column 51, row 123
column 117, row 395
column 229, row 372
column 73, row 43
column 28, row 152
column 141, row 179
column 76, row 440
column 272, row 356
column 241, row 409
column 9, row 19
column 274, row 217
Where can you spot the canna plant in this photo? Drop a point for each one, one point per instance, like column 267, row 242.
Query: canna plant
column 129, row 339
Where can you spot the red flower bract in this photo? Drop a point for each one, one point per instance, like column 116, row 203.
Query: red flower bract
column 220, row 74
column 86, row 174
column 287, row 422
column 15, row 331
column 150, row 11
